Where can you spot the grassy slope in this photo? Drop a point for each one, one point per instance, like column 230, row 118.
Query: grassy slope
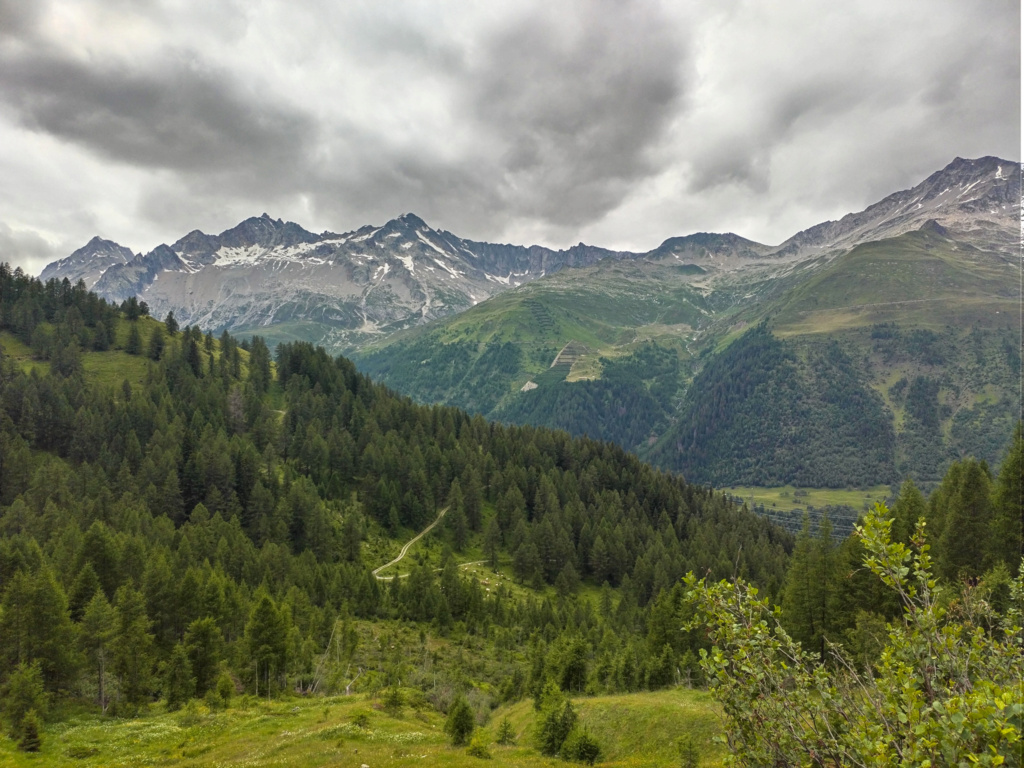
column 105, row 369
column 920, row 279
column 609, row 309
column 634, row 730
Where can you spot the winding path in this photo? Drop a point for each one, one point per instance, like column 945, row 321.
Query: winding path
column 409, row 543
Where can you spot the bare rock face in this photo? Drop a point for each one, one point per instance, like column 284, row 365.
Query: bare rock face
column 89, row 262
column 335, row 289
column 968, row 197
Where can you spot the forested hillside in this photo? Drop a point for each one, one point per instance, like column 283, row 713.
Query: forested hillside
column 757, row 414
column 207, row 522
column 849, row 369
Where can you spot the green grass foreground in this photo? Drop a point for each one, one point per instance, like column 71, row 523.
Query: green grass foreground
column 635, row 730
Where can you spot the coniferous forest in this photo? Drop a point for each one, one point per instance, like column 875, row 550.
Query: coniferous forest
column 205, row 528
column 184, row 517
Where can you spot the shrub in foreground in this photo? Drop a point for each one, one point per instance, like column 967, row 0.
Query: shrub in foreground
column 944, row 690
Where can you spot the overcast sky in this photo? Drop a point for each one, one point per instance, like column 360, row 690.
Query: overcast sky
column 612, row 122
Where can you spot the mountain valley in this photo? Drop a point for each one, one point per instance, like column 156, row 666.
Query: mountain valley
column 917, row 294
column 198, row 535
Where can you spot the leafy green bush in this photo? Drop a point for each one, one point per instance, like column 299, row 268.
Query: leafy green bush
column 478, row 747
column 944, row 690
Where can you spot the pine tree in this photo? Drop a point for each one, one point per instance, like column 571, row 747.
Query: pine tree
column 492, row 543
column 134, row 343
column 171, row 323
column 204, row 644
column 179, row 684
column 35, row 626
column 101, row 337
column 155, row 349
column 567, row 581
column 85, row 585
column 132, row 646
column 968, row 516
column 1008, row 517
column 265, row 641
column 459, row 724
column 526, row 562
column 472, row 498
column 506, row 733
column 909, row 508
column 29, row 739
column 193, row 356
column 456, row 517
column 556, row 721
column 22, row 694
column 810, row 581
column 95, row 636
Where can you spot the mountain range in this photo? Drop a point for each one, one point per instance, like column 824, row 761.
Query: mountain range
column 892, row 344
column 274, row 277
column 627, row 346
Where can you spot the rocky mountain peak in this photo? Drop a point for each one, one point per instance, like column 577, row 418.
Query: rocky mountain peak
column 966, row 195
column 89, row 262
column 266, row 232
column 412, row 220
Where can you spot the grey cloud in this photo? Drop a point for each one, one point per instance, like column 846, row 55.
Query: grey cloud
column 26, row 249
column 576, row 107
column 553, row 119
column 182, row 117
column 18, row 18
column 565, row 116
column 911, row 97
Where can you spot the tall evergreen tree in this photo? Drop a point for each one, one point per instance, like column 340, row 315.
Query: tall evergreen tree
column 132, row 647
column 35, row 627
column 909, row 508
column 266, row 642
column 810, row 581
column 23, row 693
column 155, row 348
column 456, row 517
column 96, row 634
column 1008, row 522
column 965, row 536
column 134, row 344
column 178, row 682
column 204, row 644
column 492, row 542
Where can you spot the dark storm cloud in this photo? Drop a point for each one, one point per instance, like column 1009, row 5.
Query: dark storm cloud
column 576, row 105
column 561, row 112
column 181, row 116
